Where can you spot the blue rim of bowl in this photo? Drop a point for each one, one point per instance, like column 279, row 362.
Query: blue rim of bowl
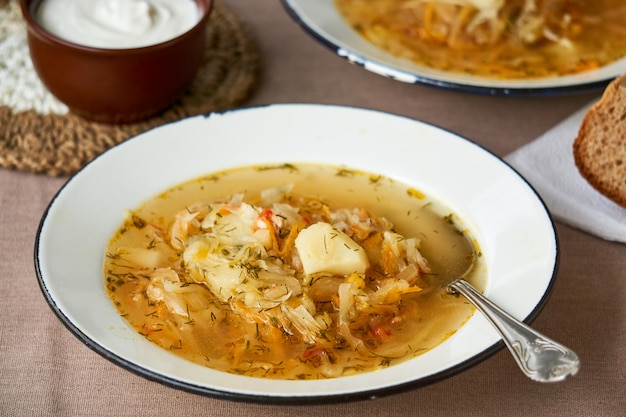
column 287, row 400
column 391, row 72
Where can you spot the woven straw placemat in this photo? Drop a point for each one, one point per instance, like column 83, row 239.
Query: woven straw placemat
column 39, row 135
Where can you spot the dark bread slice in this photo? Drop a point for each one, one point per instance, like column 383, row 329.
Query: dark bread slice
column 600, row 147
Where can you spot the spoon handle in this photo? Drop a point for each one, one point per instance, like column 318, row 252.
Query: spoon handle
column 539, row 357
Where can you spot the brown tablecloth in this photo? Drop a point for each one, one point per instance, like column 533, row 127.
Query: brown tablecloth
column 45, row 371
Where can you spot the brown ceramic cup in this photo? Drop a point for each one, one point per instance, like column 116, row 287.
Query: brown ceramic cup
column 116, row 85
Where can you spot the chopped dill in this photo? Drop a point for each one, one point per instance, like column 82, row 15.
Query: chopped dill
column 138, row 222
column 287, row 166
column 449, row 218
column 344, row 172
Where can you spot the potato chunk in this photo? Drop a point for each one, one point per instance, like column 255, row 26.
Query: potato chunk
column 323, row 248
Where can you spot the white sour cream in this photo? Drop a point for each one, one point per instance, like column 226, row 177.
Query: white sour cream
column 117, row 24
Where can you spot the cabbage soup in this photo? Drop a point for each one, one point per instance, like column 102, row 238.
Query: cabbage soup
column 294, row 271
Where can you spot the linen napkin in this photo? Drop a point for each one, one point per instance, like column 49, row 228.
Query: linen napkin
column 548, row 165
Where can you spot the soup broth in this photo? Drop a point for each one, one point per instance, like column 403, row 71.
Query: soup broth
column 495, row 38
column 264, row 303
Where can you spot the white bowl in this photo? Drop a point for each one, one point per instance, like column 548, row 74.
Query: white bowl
column 510, row 222
column 321, row 19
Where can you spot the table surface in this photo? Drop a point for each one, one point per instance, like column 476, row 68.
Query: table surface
column 46, row 371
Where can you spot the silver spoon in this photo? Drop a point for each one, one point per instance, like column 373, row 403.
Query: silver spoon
column 539, row 357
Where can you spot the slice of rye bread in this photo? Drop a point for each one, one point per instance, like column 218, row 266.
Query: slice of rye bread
column 600, row 147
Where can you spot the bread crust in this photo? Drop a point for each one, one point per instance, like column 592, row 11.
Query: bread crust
column 600, row 147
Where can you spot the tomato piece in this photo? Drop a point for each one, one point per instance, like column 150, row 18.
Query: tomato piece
column 315, row 355
column 266, row 213
column 381, row 332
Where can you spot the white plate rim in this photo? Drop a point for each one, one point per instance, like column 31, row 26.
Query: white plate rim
column 300, row 397
column 373, row 59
